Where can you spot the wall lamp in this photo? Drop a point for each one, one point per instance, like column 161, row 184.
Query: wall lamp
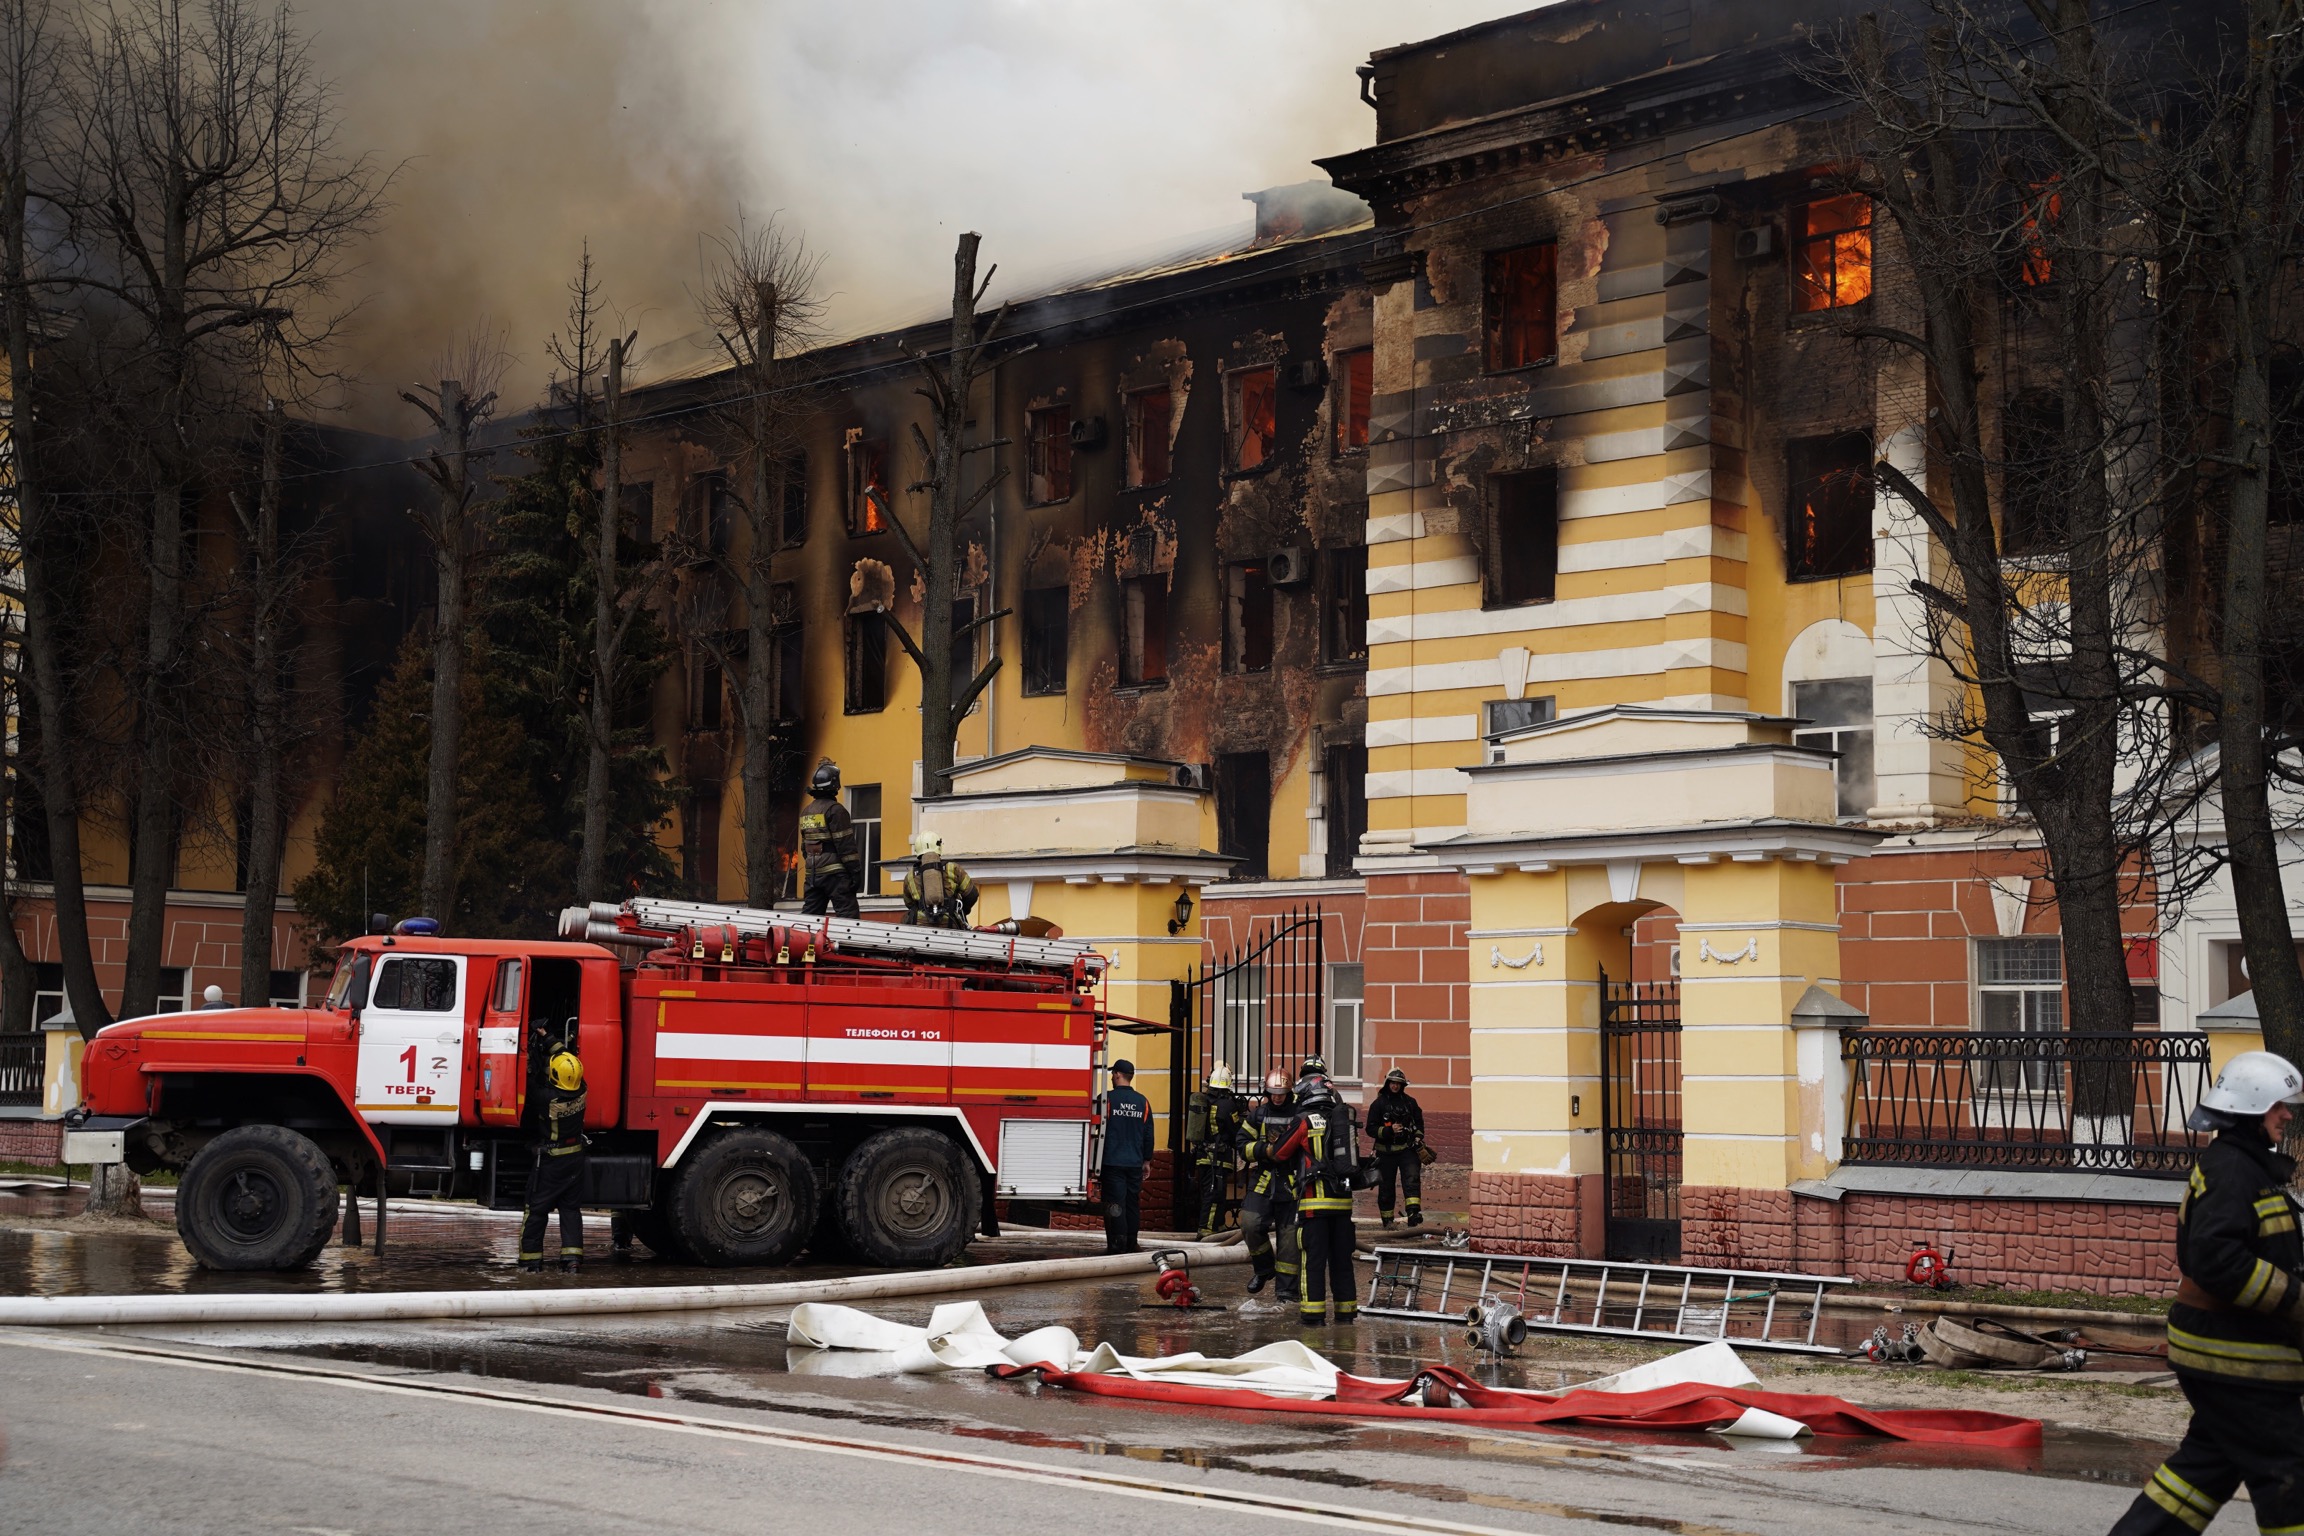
column 1183, row 911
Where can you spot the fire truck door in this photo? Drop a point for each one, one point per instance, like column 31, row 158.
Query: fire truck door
column 502, row 1073
column 412, row 1041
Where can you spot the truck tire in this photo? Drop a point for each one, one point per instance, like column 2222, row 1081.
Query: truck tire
column 654, row 1228
column 744, row 1197
column 257, row 1197
column 909, row 1199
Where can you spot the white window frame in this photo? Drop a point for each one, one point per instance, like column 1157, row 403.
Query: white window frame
column 1347, row 1018
column 2034, row 1003
column 867, row 833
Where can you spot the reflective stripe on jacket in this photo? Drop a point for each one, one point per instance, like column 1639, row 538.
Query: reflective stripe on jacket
column 828, row 839
column 2237, row 1242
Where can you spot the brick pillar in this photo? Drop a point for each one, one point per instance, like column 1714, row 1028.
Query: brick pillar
column 1412, row 945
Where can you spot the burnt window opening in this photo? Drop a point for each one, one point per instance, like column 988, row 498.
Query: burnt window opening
column 1355, row 376
column 867, row 664
column 1048, row 455
column 1248, row 617
column 2043, row 211
column 1522, row 563
column 700, row 854
column 1244, row 812
column 792, row 501
column 636, row 513
column 867, row 501
column 715, row 512
column 1047, row 639
column 787, row 675
column 2032, row 520
column 1522, row 309
column 1828, row 515
column 1344, row 604
column 1252, row 403
column 1344, row 803
column 1148, row 427
column 708, row 691
column 1831, row 253
column 1143, row 631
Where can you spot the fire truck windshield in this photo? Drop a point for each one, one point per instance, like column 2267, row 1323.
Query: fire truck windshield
column 340, row 986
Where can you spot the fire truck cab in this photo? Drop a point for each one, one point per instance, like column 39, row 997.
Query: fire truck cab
column 756, row 1083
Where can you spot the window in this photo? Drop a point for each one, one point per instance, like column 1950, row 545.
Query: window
column 867, row 485
column 2043, row 211
column 1048, row 455
column 707, row 702
column 1523, row 546
column 700, row 855
column 414, row 984
column 1355, row 373
column 507, row 998
column 1241, row 1009
column 636, row 512
column 1247, row 617
column 1252, row 401
column 2032, row 520
column 867, row 658
column 1244, row 812
column 715, row 511
column 787, row 677
column 792, row 500
column 1344, row 803
column 1148, row 428
column 864, row 810
column 1521, row 314
column 1347, row 985
column 2020, row 990
column 1344, row 604
column 1047, row 636
column 1832, row 253
column 1828, row 522
column 1143, row 630
column 1506, row 715
column 285, row 989
column 176, row 990
column 47, row 991
column 1839, row 716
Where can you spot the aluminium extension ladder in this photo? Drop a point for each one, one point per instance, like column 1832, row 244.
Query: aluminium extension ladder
column 857, row 934
column 1670, row 1303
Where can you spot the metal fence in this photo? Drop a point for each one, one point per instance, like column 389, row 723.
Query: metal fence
column 2035, row 1099
column 23, row 1068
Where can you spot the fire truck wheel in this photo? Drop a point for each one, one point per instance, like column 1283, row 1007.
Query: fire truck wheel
column 257, row 1197
column 908, row 1199
column 653, row 1227
column 746, row 1197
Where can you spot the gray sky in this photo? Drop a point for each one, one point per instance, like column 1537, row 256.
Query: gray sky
column 1063, row 130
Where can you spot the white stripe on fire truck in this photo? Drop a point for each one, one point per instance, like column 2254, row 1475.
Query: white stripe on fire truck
column 972, row 1054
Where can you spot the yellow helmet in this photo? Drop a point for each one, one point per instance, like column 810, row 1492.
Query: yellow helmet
column 566, row 1071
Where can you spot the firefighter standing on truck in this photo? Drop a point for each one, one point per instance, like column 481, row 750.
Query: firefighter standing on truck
column 1326, row 1149
column 1396, row 1126
column 938, row 893
column 1127, row 1149
column 1212, row 1135
column 828, row 847
column 1268, row 1209
column 2233, row 1330
column 557, row 1184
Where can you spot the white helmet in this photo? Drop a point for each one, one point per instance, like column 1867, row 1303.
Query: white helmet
column 1220, row 1076
column 2252, row 1082
column 928, row 842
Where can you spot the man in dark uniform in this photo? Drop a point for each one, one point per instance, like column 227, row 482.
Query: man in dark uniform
column 557, row 1184
column 1396, row 1126
column 1127, row 1148
column 1326, row 1148
column 828, row 849
column 938, row 893
column 2233, row 1330
column 1212, row 1137
column 1268, row 1209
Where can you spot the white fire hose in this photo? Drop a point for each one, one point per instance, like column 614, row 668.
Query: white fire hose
column 397, row 1306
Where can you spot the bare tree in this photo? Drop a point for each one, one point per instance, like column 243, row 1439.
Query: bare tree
column 946, row 382
column 463, row 400
column 266, row 813
column 760, row 298
column 211, row 175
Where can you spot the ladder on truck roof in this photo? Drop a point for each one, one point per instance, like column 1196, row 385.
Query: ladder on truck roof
column 850, row 933
column 1626, row 1299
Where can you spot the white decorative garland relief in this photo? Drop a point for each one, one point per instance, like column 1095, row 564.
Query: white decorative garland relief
column 1535, row 956
column 1750, row 951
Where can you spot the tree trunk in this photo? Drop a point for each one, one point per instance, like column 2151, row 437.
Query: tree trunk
column 152, row 858
column 113, row 1190
column 760, row 654
column 261, row 895
column 592, row 858
column 936, row 722
column 439, row 892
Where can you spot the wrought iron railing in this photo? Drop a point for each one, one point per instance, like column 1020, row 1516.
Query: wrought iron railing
column 2036, row 1100
column 23, row 1069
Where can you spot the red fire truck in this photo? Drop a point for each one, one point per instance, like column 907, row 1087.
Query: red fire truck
column 756, row 1082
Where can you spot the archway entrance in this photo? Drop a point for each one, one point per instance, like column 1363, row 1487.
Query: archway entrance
column 1642, row 1131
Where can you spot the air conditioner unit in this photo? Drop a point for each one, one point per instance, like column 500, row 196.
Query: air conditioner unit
column 1290, row 567
column 1088, row 432
column 1754, row 243
column 1307, row 375
column 1195, row 776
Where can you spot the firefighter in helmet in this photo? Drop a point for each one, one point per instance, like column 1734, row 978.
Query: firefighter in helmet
column 828, row 847
column 1268, row 1209
column 2233, row 1329
column 1396, row 1126
column 557, row 1183
column 1325, row 1147
column 938, row 893
column 1212, row 1135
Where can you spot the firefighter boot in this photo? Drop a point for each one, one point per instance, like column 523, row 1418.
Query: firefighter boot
column 1386, row 1218
column 1258, row 1281
column 1415, row 1214
column 531, row 1263
column 571, row 1260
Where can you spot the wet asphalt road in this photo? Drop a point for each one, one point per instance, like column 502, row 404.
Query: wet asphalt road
column 709, row 1422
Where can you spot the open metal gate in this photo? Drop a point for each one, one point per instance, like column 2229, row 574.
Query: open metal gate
column 1257, row 1007
column 1640, row 1117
